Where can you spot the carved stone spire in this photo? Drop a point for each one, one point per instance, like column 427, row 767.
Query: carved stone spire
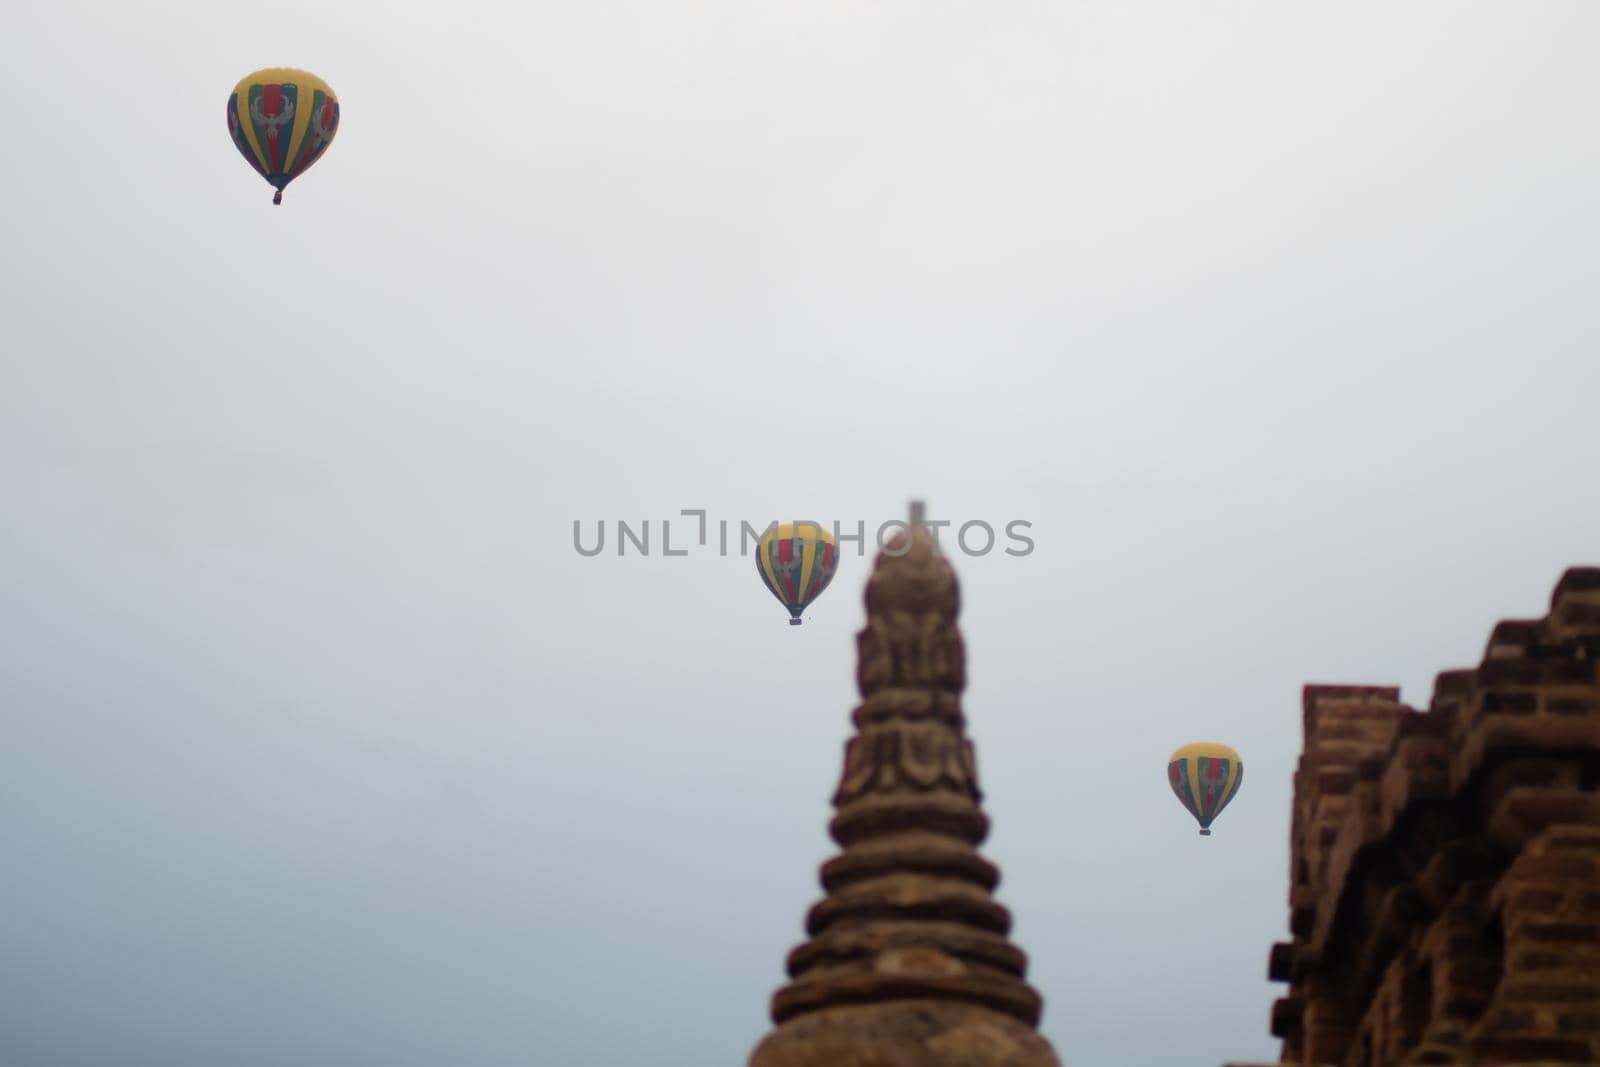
column 908, row 963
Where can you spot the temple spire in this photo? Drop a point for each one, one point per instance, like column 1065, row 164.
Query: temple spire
column 908, row 961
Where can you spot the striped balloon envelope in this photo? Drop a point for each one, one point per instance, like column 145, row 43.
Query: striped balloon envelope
column 282, row 120
column 796, row 561
column 1205, row 776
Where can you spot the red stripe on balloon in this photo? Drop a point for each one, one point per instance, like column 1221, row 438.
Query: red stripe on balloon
column 271, row 104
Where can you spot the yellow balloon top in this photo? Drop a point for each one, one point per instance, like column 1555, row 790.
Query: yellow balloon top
column 809, row 531
column 1204, row 748
column 280, row 75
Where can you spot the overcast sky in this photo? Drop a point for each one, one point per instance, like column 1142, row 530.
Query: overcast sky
column 322, row 745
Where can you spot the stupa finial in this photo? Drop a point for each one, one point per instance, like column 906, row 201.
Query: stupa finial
column 908, row 961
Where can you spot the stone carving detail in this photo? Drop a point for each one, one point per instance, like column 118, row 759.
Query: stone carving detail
column 1445, row 864
column 911, row 639
column 914, row 757
column 908, row 964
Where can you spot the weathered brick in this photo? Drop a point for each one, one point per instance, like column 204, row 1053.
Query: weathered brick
column 1524, row 812
column 1336, row 781
column 1424, row 754
column 1510, row 702
column 1453, row 685
column 1530, row 1049
column 1565, row 933
column 1574, row 1022
column 1476, row 974
column 1575, row 838
column 1533, row 771
column 1540, row 961
column 1280, row 962
column 1452, row 866
column 1544, row 900
column 1287, row 1013
column 1446, row 865
column 1511, row 637
column 1511, row 1019
column 1553, row 866
column 1468, row 1006
column 1552, row 993
column 1534, row 672
column 1331, row 731
column 1578, row 584
column 1571, row 705
column 1575, row 620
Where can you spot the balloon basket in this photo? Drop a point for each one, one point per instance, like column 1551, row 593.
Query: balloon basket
column 1205, row 833
column 794, row 622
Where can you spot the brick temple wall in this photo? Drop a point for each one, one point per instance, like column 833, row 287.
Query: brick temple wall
column 1444, row 899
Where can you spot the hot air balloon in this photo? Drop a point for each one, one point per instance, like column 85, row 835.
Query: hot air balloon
column 1205, row 776
column 797, row 561
column 281, row 121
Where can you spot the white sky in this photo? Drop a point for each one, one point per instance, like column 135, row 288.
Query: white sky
column 322, row 745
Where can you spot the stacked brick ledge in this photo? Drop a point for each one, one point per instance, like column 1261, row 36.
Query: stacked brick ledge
column 1444, row 891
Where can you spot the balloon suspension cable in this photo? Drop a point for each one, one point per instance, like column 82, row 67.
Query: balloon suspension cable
column 277, row 197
